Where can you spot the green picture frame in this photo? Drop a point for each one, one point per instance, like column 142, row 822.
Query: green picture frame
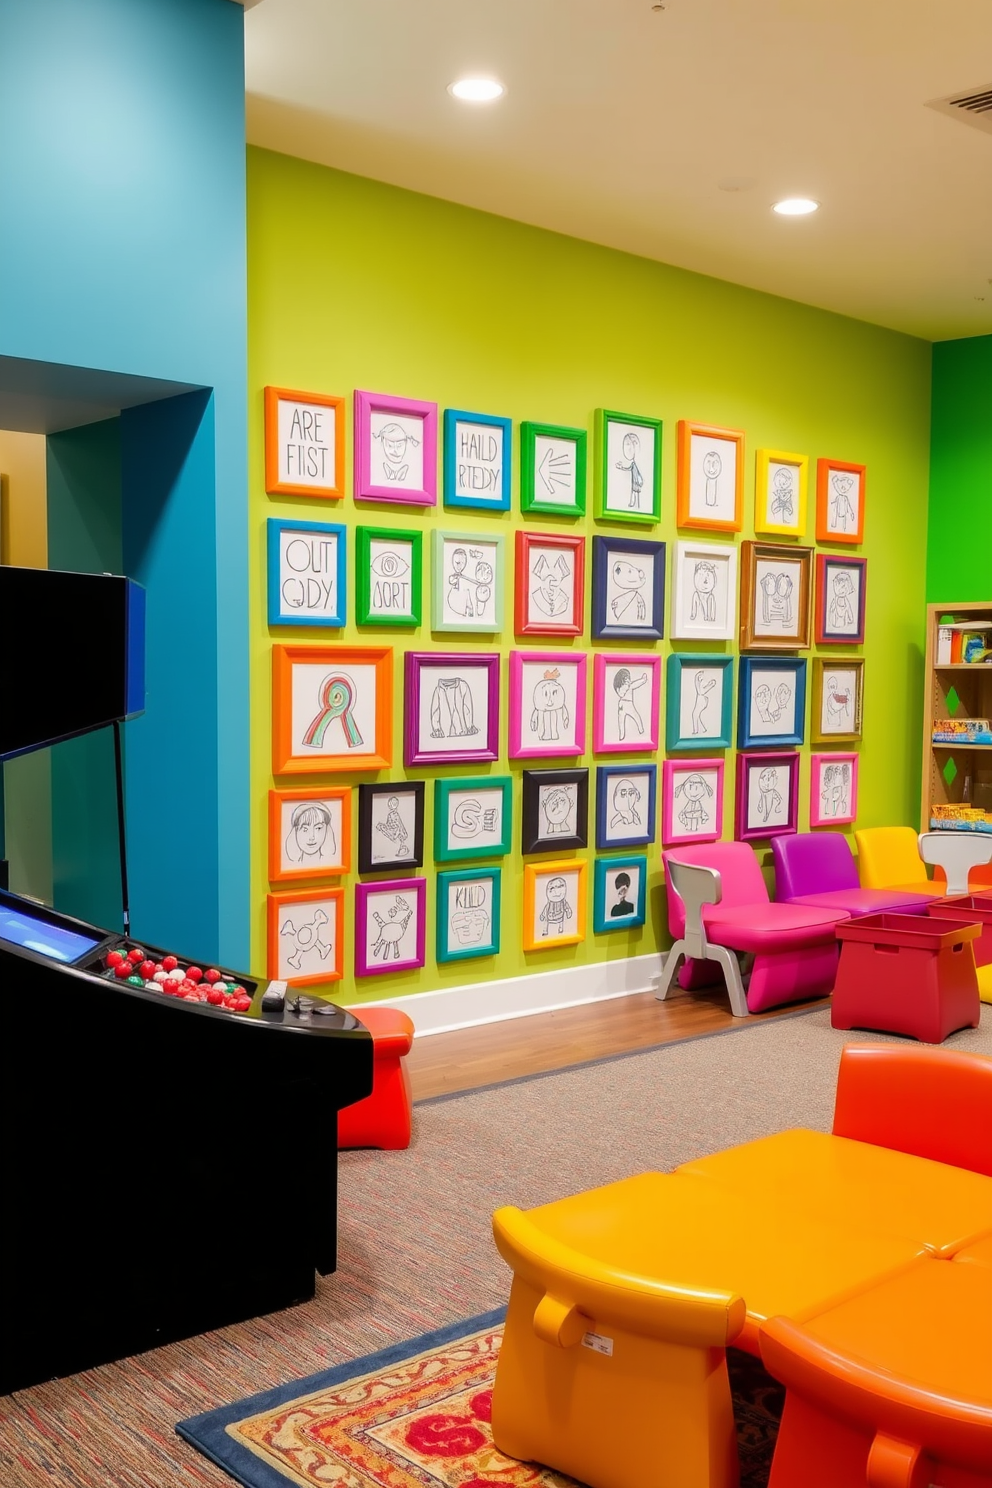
column 468, row 581
column 388, row 576
column 472, row 818
column 552, row 475
column 468, row 913
column 627, row 467
column 699, row 702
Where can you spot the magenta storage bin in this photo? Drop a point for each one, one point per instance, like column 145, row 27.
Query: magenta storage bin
column 910, row 974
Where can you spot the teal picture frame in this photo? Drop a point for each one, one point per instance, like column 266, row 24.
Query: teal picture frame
column 468, row 581
column 548, row 473
column 627, row 467
column 462, row 829
column 694, row 719
column 606, row 896
column 376, row 579
column 468, row 913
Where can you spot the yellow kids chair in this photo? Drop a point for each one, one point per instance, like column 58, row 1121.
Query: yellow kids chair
column 889, row 858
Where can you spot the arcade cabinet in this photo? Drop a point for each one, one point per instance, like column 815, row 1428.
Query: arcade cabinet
column 169, row 1131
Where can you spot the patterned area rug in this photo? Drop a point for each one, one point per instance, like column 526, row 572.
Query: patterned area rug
column 417, row 1416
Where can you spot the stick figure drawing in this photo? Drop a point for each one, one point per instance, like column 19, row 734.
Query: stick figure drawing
column 631, row 445
column 557, row 908
column 841, row 506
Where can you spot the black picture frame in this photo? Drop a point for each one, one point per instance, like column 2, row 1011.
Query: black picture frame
column 367, row 795
column 636, row 552
column 532, row 838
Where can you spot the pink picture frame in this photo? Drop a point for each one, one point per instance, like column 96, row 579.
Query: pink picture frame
column 833, row 789
column 547, row 704
column 691, row 801
column 626, row 702
column 395, row 449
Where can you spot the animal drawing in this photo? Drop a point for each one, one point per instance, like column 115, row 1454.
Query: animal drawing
column 392, row 931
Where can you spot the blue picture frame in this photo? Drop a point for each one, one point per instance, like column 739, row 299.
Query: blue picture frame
column 454, row 489
column 310, row 576
column 625, row 819
column 757, row 724
column 607, row 919
column 684, row 662
column 643, row 620
column 450, row 935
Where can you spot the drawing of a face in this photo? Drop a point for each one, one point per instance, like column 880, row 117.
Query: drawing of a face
column 843, row 584
column 695, row 788
column 842, row 483
column 625, row 799
column 631, row 444
column 762, row 697
column 484, row 572
column 625, row 575
column 782, row 694
column 712, row 464
column 704, row 576
column 459, row 558
column 309, row 825
column 549, row 695
column 556, row 808
column 557, row 889
column 395, row 440
column 389, row 566
column 782, row 482
column 768, row 780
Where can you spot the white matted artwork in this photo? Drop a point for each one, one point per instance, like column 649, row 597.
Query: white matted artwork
column 777, row 501
column 704, row 604
column 630, row 468
column 333, row 712
column 392, row 832
column 777, row 600
column 630, row 594
column 306, row 586
column 625, row 806
column 843, row 603
column 771, row 703
column 701, row 702
column 311, row 837
column 468, row 574
column 396, row 450
column 712, row 478
column 768, row 796
column 453, row 708
column 696, row 800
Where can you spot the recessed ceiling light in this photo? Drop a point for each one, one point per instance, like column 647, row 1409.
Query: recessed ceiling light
column 796, row 206
column 476, row 90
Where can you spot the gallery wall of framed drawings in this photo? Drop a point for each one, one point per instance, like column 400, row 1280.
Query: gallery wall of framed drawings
column 534, row 601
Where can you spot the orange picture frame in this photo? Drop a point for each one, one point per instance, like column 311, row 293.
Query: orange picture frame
column 829, row 527
column 342, row 713
column 307, row 934
column 319, row 796
column 684, row 495
column 307, row 446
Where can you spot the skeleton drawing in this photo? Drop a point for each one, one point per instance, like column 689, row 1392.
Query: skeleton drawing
column 392, row 931
column 306, row 937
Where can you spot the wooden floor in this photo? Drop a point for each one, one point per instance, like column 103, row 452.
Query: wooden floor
column 443, row 1062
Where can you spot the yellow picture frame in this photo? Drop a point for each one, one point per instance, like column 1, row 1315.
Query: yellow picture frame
column 562, row 919
column 769, row 502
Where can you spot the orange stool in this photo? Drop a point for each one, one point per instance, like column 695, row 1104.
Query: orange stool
column 383, row 1119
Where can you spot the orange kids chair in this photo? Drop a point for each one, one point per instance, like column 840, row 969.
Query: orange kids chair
column 889, row 858
column 383, row 1119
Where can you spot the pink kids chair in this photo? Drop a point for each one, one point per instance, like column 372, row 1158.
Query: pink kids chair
column 718, row 910
column 818, row 868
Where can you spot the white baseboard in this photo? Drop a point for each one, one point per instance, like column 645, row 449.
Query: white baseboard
column 449, row 1008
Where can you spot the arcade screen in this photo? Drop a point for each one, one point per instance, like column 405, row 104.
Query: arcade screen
column 53, row 941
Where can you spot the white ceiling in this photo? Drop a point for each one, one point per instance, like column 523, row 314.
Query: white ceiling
column 622, row 125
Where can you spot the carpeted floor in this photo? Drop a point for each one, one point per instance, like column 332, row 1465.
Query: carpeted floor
column 416, row 1252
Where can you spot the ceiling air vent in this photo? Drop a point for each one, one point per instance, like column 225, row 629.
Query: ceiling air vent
column 972, row 106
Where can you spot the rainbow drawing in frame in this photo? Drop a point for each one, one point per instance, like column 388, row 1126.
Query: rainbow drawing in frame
column 395, row 449
column 390, row 925
column 626, row 702
column 307, row 572
column 767, row 796
column 477, row 460
column 547, row 704
column 332, row 708
column 306, row 936
column 691, row 801
column 833, row 789
column 451, row 707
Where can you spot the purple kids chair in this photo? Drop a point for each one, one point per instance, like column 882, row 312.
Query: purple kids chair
column 818, row 869
column 719, row 911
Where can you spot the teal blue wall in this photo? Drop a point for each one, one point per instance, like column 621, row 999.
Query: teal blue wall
column 959, row 544
column 123, row 249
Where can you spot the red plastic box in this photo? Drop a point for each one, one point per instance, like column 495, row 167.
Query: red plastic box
column 907, row 974
column 970, row 907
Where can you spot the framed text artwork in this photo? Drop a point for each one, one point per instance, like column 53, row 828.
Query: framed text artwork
column 309, row 833
column 628, row 589
column 710, row 479
column 451, row 707
column 388, row 576
column 628, row 467
column 552, row 469
column 332, row 708
column 306, row 936
column 468, row 913
column 477, row 460
column 307, row 573
column 395, row 449
column 304, row 444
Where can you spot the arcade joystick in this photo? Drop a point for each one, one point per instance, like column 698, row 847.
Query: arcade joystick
column 274, row 997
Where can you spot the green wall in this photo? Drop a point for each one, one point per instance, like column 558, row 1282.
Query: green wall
column 353, row 284
column 959, row 558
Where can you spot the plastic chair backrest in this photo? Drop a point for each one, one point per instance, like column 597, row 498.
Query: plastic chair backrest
column 694, row 886
column 889, row 857
column 957, row 853
column 934, row 1103
column 813, row 863
column 741, row 880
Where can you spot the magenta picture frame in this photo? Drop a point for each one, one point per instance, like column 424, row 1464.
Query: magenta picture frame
column 486, row 745
column 641, row 706
column 676, row 778
column 404, row 889
column 823, row 792
column 519, row 706
column 762, row 831
column 365, row 489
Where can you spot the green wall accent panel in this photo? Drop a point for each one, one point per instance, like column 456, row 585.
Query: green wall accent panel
column 355, row 284
column 959, row 557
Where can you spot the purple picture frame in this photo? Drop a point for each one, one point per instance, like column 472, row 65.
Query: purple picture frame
column 365, row 489
column 487, row 746
column 521, row 708
column 762, row 830
column 402, row 888
column 638, row 706
column 675, row 830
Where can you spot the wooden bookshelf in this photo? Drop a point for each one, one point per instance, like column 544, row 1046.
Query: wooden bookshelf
column 956, row 690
